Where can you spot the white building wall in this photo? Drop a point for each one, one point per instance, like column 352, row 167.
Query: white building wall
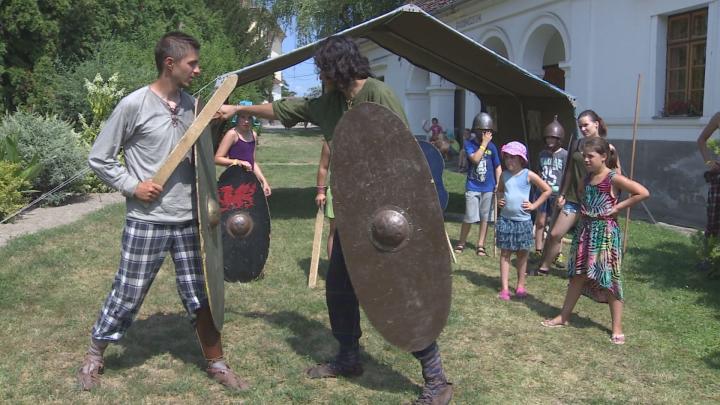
column 606, row 44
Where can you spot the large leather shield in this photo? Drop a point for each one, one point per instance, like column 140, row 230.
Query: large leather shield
column 436, row 163
column 245, row 224
column 208, row 211
column 391, row 226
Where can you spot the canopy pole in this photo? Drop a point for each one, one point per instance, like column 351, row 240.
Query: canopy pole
column 632, row 158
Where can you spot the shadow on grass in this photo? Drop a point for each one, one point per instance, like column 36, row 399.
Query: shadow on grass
column 295, row 131
column 668, row 265
column 456, row 205
column 539, row 307
column 287, row 203
column 159, row 333
column 311, row 338
column 304, row 264
column 713, row 360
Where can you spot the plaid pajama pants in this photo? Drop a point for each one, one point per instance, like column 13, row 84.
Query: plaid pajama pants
column 144, row 246
column 713, row 205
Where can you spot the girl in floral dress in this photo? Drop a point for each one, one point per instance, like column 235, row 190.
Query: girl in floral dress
column 595, row 255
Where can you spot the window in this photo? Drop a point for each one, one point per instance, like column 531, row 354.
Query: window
column 685, row 66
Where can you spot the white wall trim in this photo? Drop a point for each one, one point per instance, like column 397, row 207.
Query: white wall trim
column 499, row 33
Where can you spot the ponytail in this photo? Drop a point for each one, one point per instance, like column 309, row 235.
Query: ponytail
column 612, row 158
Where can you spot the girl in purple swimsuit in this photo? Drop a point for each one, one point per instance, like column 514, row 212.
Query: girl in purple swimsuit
column 237, row 148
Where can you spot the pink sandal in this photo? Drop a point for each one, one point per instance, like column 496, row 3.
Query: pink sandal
column 504, row 295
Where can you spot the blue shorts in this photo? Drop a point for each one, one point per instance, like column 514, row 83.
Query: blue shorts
column 571, row 208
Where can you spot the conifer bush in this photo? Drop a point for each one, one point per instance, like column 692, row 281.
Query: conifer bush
column 57, row 148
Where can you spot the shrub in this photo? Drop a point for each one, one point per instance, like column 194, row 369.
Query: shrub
column 58, row 149
column 11, row 188
column 707, row 250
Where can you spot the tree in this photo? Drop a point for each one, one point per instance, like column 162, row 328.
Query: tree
column 320, row 18
column 49, row 48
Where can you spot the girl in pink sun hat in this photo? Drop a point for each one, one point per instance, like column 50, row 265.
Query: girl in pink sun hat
column 514, row 228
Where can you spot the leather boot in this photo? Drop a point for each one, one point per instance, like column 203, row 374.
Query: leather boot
column 346, row 364
column 211, row 345
column 436, row 390
column 88, row 376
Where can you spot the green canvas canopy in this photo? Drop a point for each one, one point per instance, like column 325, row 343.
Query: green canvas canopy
column 522, row 102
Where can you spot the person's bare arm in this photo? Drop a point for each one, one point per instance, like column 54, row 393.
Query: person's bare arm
column 260, row 110
column 566, row 176
column 637, row 192
column 710, row 162
column 540, row 184
column 322, row 174
column 477, row 156
column 258, row 172
column 500, row 194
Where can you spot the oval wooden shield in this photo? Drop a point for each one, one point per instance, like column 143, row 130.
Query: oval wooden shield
column 437, row 166
column 391, row 226
column 245, row 225
column 208, row 218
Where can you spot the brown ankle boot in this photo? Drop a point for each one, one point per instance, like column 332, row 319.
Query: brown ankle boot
column 438, row 395
column 333, row 369
column 88, row 376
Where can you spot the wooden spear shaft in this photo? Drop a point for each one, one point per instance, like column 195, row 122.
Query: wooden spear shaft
column 632, row 158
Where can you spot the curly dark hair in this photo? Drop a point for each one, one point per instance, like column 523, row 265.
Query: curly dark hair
column 340, row 60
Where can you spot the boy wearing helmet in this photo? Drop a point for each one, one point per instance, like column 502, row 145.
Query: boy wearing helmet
column 483, row 176
column 552, row 163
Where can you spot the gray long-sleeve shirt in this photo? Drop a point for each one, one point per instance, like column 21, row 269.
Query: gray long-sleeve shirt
column 142, row 124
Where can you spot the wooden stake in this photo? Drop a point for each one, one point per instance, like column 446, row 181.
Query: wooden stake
column 494, row 216
column 317, row 243
column 452, row 251
column 632, row 158
column 196, row 129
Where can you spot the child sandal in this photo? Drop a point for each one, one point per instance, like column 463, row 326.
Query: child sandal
column 504, row 295
column 618, row 339
column 459, row 248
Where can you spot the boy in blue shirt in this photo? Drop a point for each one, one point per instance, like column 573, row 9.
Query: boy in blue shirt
column 483, row 176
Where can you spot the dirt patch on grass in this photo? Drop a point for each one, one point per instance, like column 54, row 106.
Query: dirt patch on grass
column 42, row 218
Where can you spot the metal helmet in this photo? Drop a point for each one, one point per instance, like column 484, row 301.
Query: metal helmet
column 483, row 121
column 554, row 129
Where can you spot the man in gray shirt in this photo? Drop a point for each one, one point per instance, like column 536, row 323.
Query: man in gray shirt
column 147, row 124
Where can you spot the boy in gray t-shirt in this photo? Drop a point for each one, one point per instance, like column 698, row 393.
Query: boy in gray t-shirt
column 552, row 164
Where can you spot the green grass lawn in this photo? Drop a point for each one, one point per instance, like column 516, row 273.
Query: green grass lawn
column 53, row 283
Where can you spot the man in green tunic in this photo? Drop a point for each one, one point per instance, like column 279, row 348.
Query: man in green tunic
column 347, row 79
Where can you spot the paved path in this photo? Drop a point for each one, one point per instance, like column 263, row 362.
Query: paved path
column 49, row 217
